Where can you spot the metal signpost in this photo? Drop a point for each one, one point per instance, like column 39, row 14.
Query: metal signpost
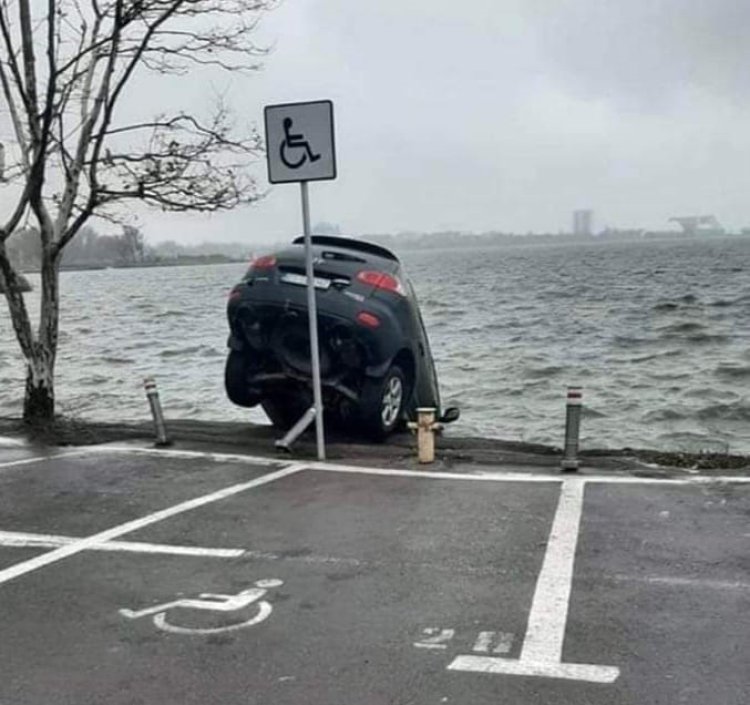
column 300, row 148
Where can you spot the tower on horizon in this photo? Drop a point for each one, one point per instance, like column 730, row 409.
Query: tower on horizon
column 582, row 222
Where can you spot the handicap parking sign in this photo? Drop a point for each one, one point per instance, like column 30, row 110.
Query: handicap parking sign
column 299, row 142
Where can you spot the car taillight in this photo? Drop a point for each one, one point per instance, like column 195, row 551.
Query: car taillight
column 368, row 319
column 235, row 293
column 382, row 280
column 263, row 263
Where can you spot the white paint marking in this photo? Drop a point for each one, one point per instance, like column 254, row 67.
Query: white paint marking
column 481, row 476
column 685, row 582
column 512, row 667
column 541, row 654
column 187, row 454
column 264, row 611
column 41, row 459
column 483, row 643
column 549, row 608
column 212, row 602
column 18, row 539
column 435, row 638
column 503, row 642
column 10, row 442
column 426, row 474
column 83, row 544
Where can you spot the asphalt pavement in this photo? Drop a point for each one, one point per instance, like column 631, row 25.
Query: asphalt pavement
column 129, row 575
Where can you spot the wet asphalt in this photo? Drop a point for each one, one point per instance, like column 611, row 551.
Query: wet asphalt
column 379, row 583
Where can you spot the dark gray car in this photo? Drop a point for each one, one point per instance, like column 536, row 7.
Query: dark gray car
column 376, row 364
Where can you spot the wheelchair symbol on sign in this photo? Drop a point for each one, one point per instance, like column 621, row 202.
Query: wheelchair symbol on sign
column 212, row 602
column 293, row 141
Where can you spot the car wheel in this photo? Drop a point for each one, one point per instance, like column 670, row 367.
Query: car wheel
column 283, row 411
column 236, row 374
column 383, row 403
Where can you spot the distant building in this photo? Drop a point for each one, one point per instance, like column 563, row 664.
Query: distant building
column 696, row 225
column 582, row 222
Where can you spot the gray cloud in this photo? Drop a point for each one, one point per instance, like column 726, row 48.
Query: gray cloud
column 504, row 114
column 650, row 52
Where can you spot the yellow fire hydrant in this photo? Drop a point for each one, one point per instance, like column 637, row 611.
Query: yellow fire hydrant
column 426, row 426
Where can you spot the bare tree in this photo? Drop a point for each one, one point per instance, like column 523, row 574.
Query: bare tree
column 65, row 69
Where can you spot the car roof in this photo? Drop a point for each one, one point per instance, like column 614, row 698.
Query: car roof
column 347, row 243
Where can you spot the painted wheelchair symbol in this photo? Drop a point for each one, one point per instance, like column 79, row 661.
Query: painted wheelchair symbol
column 293, row 141
column 212, row 602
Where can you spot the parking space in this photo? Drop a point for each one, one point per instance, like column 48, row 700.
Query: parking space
column 663, row 586
column 197, row 579
column 81, row 494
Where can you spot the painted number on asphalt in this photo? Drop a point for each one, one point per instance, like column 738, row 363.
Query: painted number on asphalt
column 435, row 638
column 484, row 643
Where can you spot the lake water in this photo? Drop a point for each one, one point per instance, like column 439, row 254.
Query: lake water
column 657, row 333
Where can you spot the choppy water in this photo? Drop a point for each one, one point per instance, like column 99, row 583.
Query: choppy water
column 658, row 334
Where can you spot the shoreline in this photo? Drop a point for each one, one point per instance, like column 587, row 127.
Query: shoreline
column 398, row 450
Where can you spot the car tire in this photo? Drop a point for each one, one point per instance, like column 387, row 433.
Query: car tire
column 236, row 374
column 383, row 403
column 283, row 411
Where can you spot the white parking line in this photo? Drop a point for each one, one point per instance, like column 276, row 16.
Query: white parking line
column 21, row 539
column 187, row 454
column 476, row 476
column 42, row 458
column 681, row 582
column 59, row 554
column 541, row 654
column 10, row 442
column 502, row 476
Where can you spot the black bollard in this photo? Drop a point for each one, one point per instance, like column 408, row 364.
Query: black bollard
column 149, row 384
column 570, row 462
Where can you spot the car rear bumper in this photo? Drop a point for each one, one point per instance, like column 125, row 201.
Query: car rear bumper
column 274, row 334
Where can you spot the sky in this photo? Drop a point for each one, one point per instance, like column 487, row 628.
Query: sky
column 498, row 115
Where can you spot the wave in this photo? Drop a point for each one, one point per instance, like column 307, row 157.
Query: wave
column 661, row 415
column 112, row 360
column 630, row 341
column 682, row 327
column 653, row 356
column 733, row 371
column 588, row 412
column 172, row 314
column 179, row 352
column 543, row 372
column 692, row 332
column 701, row 338
column 195, row 350
column 735, row 411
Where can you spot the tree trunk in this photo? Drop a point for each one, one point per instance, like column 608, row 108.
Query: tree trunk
column 39, row 350
column 39, row 400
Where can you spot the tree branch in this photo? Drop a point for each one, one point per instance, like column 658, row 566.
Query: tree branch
column 14, row 117
column 29, row 65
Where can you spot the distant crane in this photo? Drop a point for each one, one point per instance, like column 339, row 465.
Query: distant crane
column 699, row 225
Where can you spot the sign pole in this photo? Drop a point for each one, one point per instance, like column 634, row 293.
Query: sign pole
column 312, row 312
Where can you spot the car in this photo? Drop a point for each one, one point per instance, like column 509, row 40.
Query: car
column 375, row 359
